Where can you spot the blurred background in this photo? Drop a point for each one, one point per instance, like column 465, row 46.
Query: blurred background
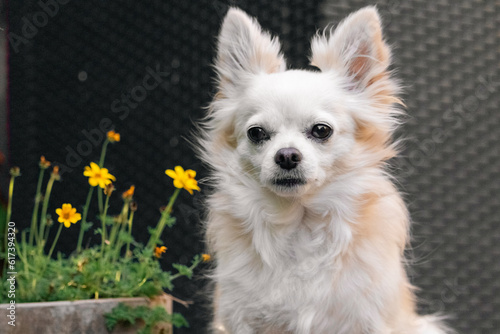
column 71, row 68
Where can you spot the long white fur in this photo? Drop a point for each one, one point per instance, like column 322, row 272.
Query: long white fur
column 326, row 257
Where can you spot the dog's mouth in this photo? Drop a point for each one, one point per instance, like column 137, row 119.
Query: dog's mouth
column 289, row 182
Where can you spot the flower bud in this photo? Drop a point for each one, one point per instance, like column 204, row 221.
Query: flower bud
column 113, row 136
column 15, row 171
column 127, row 195
column 108, row 190
column 55, row 173
column 44, row 164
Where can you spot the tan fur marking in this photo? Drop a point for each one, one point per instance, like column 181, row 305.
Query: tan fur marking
column 366, row 226
column 269, row 62
column 382, row 216
column 378, row 77
column 385, row 97
column 226, row 139
column 275, row 330
column 408, row 299
column 381, row 222
column 223, row 81
column 219, row 96
column 374, row 139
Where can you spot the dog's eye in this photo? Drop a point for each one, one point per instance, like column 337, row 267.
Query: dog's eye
column 321, row 131
column 257, row 134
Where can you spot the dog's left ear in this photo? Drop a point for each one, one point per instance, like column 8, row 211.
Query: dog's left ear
column 356, row 49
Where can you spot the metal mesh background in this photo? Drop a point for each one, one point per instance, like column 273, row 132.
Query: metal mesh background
column 69, row 69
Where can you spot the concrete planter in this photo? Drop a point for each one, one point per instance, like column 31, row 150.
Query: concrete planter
column 71, row 317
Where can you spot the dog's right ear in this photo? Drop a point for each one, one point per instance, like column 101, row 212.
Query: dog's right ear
column 356, row 50
column 244, row 49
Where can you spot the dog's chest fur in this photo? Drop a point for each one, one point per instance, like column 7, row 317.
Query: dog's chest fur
column 292, row 272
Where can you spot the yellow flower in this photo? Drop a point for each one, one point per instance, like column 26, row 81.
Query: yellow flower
column 160, row 250
column 98, row 176
column 67, row 215
column 183, row 179
column 113, row 136
column 205, row 257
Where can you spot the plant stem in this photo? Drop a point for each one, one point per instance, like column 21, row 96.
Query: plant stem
column 43, row 219
column 130, row 220
column 119, row 243
column 116, row 228
column 113, row 233
column 99, row 200
column 11, row 195
column 165, row 215
column 34, row 217
column 46, row 236
column 55, row 241
column 84, row 220
column 24, row 256
column 103, row 219
column 103, row 152
column 153, row 238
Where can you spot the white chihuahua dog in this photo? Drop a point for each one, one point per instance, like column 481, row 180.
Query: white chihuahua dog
column 305, row 226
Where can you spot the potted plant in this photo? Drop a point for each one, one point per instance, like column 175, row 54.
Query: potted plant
column 117, row 282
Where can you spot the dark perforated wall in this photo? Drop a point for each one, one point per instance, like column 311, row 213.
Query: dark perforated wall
column 86, row 62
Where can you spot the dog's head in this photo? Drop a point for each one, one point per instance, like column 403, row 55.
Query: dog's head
column 292, row 131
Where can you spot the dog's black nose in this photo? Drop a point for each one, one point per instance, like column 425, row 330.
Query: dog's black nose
column 288, row 158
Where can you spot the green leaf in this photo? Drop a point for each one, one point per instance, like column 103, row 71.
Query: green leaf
column 125, row 237
column 109, row 220
column 120, row 313
column 179, row 321
column 183, row 270
column 166, row 280
column 86, row 226
column 150, row 316
column 170, row 221
column 150, row 289
column 146, row 253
